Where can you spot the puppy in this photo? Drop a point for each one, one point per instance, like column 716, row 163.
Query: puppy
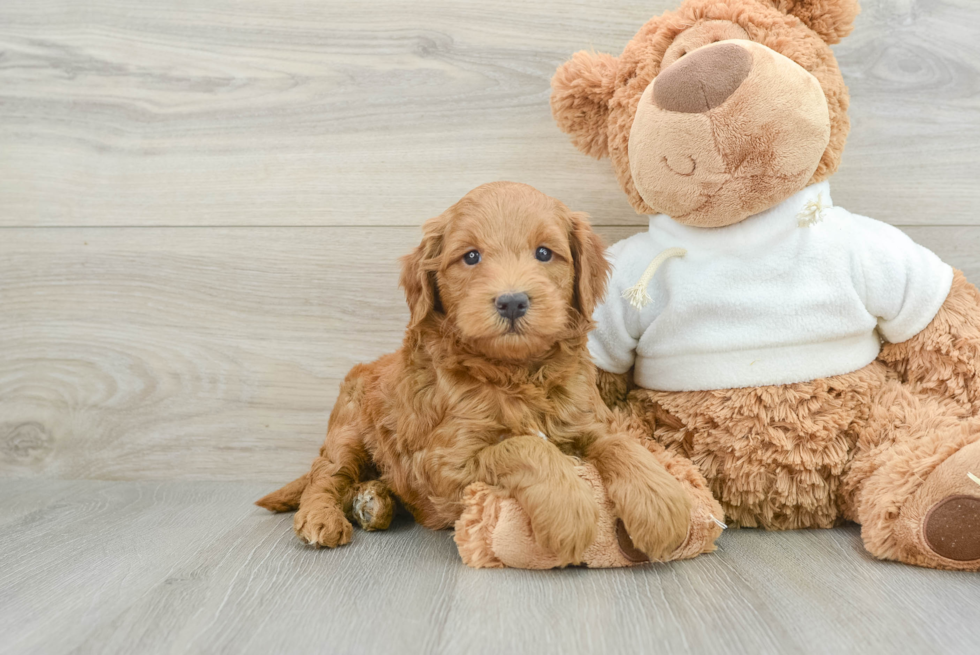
column 493, row 383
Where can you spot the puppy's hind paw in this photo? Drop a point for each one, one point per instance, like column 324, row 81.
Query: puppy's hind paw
column 373, row 506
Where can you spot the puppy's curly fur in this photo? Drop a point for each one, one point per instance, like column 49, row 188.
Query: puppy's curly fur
column 473, row 396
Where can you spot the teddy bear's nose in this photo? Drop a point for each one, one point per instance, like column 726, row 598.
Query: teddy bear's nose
column 703, row 79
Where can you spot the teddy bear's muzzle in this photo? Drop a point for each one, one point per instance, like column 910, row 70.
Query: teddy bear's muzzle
column 726, row 131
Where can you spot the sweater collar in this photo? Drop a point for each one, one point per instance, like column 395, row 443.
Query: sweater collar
column 787, row 215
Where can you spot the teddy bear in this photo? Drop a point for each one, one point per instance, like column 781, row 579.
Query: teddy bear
column 806, row 365
column 814, row 365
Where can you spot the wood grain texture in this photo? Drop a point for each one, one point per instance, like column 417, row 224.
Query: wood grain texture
column 186, row 353
column 299, row 112
column 168, row 567
column 271, row 160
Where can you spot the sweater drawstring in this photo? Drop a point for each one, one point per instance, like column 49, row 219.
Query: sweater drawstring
column 812, row 212
column 637, row 294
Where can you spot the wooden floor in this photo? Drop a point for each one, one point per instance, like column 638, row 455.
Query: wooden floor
column 201, row 209
column 175, row 567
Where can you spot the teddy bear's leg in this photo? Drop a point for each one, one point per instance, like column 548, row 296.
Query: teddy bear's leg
column 494, row 531
column 614, row 388
column 944, row 359
column 912, row 481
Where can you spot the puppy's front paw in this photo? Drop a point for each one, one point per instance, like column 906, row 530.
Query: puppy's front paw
column 657, row 516
column 322, row 525
column 564, row 519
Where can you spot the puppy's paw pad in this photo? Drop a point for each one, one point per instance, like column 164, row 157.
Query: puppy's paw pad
column 365, row 505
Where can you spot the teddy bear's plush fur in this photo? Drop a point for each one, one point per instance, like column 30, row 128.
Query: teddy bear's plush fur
column 892, row 445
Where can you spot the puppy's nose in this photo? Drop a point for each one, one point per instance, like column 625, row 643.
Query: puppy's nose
column 703, row 79
column 512, row 305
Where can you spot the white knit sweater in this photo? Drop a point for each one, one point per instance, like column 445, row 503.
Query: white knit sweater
column 802, row 291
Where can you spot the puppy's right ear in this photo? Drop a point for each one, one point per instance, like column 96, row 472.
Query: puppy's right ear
column 419, row 272
column 580, row 93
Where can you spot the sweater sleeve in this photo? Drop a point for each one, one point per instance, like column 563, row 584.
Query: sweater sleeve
column 904, row 283
column 611, row 343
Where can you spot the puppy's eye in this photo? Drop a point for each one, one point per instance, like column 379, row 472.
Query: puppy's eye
column 542, row 254
column 472, row 258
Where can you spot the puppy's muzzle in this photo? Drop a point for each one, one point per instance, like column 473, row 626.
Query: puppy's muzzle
column 512, row 306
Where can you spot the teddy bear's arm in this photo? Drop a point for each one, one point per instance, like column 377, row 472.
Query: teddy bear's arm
column 615, row 387
column 613, row 341
column 900, row 282
column 908, row 287
column 945, row 356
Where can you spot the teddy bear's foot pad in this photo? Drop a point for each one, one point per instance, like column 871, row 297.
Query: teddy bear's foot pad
column 626, row 547
column 940, row 524
column 952, row 528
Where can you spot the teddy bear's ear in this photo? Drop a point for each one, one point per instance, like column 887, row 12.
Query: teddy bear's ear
column 831, row 19
column 580, row 93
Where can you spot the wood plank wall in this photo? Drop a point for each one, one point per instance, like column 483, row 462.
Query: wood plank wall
column 202, row 204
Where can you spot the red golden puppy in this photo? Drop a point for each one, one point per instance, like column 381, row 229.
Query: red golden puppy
column 493, row 383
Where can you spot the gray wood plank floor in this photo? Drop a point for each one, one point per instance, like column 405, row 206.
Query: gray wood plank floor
column 175, row 567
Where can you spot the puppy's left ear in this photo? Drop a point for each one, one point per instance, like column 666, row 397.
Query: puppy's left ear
column 591, row 267
column 419, row 269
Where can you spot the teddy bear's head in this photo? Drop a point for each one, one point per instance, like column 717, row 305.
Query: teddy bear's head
column 716, row 111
